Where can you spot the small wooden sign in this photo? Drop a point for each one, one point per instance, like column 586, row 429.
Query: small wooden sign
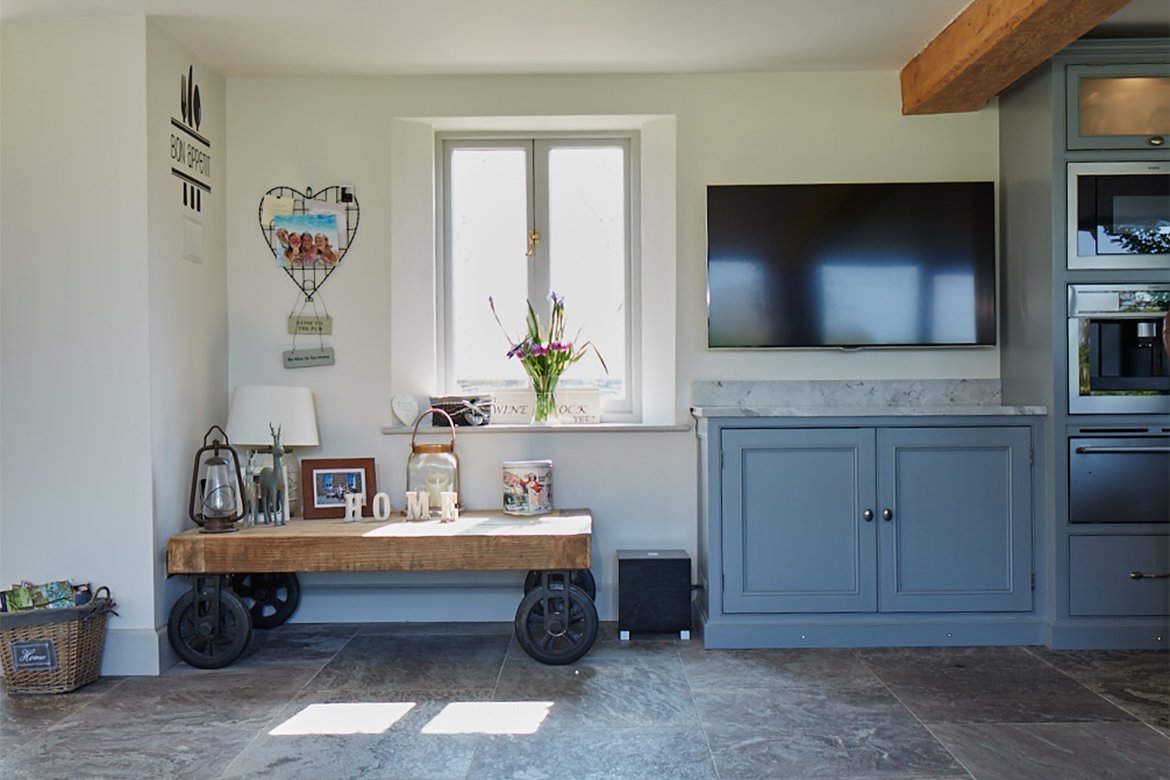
column 312, row 326
column 306, row 358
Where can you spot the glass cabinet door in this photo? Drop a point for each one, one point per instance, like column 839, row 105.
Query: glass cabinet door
column 1118, row 106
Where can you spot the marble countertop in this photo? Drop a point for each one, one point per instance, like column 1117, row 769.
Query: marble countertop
column 837, row 410
column 854, row 398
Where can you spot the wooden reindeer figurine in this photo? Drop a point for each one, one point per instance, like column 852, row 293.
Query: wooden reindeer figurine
column 272, row 484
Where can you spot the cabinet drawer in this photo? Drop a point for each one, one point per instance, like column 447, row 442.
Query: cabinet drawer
column 1100, row 581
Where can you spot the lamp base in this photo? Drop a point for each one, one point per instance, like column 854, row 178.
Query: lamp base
column 218, row 525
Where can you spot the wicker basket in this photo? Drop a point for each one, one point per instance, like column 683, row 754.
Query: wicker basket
column 72, row 638
column 463, row 409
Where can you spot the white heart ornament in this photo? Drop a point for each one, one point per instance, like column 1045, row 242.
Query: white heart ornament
column 405, row 408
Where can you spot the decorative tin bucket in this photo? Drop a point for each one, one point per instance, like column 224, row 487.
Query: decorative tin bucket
column 527, row 487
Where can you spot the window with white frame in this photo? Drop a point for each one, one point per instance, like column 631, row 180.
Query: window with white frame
column 523, row 218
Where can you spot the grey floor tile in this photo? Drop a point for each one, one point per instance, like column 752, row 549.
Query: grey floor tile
column 1138, row 681
column 1058, row 751
column 155, row 727
column 436, row 629
column 985, row 685
column 353, row 734
column 419, row 663
column 820, row 733
column 611, row 687
column 721, row 670
column 25, row 716
column 600, row 754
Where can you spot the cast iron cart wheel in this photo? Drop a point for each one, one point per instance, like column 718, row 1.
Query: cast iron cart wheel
column 201, row 644
column 582, row 578
column 271, row 598
column 566, row 633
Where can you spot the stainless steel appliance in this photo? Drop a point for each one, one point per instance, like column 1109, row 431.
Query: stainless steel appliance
column 1119, row 215
column 1119, row 475
column 1117, row 361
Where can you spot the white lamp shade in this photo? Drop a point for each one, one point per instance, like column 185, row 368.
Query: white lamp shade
column 256, row 407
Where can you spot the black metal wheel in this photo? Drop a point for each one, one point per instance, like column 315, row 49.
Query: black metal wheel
column 555, row 629
column 582, row 578
column 271, row 598
column 201, row 640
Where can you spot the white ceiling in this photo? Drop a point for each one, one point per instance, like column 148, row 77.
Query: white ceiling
column 259, row 38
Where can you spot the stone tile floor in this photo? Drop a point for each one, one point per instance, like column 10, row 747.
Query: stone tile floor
column 439, row 701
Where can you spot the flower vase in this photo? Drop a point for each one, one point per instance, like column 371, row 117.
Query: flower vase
column 544, row 411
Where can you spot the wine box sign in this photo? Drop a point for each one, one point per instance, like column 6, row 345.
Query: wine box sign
column 576, row 406
column 579, row 406
column 33, row 654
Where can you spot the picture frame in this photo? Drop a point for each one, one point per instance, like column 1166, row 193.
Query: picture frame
column 325, row 483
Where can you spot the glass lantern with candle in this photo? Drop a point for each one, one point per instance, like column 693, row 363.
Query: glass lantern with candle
column 217, row 485
column 433, row 468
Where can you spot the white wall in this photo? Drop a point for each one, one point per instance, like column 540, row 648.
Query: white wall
column 112, row 351
column 188, row 300
column 640, row 486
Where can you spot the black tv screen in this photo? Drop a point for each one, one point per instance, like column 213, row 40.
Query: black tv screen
column 851, row 265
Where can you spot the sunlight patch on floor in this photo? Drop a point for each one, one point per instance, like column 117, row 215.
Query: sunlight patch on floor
column 503, row 717
column 343, row 718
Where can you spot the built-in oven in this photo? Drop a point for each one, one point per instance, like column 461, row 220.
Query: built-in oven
column 1119, row 475
column 1118, row 215
column 1117, row 361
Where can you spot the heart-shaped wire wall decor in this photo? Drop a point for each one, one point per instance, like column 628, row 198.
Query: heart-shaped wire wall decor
column 309, row 232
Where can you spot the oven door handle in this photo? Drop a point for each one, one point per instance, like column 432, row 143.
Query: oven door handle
column 1091, row 448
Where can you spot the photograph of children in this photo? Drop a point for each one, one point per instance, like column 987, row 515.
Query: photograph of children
column 305, row 240
column 330, row 487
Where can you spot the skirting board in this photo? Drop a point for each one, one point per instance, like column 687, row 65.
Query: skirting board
column 1131, row 634
column 432, row 604
column 134, row 651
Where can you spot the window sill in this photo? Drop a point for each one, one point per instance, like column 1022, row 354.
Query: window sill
column 590, row 428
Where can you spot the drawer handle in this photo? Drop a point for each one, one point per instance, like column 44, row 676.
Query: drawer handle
column 1137, row 575
column 1101, row 448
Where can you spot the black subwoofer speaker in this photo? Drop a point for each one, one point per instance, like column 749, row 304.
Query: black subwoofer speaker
column 654, row 591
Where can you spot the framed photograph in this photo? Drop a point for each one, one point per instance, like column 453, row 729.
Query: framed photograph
column 325, row 484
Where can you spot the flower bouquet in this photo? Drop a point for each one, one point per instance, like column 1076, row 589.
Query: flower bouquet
column 545, row 355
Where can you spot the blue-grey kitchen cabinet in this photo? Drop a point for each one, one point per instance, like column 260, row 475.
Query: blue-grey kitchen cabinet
column 866, row 534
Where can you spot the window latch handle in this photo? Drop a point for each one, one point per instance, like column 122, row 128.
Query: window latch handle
column 533, row 240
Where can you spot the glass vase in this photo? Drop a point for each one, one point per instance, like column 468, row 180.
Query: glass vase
column 544, row 410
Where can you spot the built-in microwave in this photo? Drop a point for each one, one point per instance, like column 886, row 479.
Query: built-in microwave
column 1119, row 215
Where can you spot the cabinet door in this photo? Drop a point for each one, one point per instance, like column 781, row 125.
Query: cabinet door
column 959, row 533
column 1118, row 106
column 794, row 534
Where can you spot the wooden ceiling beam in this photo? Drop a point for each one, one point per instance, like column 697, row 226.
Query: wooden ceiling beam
column 990, row 45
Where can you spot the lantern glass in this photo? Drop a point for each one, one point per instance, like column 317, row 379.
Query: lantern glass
column 433, row 468
column 433, row 471
column 219, row 490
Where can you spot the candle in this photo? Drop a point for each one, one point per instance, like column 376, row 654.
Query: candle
column 437, row 484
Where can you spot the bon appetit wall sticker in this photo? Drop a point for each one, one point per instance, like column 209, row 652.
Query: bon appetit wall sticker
column 190, row 151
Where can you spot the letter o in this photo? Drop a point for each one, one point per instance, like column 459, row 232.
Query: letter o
column 381, row 506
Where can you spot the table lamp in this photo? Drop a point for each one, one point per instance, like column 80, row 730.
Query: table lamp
column 258, row 409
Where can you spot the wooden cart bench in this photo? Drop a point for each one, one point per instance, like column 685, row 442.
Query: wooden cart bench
column 247, row 578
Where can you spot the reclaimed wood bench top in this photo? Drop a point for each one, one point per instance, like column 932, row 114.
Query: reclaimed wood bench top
column 476, row 541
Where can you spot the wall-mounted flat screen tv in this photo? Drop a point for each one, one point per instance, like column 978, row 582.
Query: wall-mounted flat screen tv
column 851, row 265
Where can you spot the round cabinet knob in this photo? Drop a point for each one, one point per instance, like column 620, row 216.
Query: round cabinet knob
column 1157, row 140
column 868, row 515
column 887, row 515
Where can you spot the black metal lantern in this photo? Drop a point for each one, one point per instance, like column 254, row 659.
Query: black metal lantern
column 218, row 497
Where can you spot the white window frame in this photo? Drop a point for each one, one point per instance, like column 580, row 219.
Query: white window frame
column 538, row 144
